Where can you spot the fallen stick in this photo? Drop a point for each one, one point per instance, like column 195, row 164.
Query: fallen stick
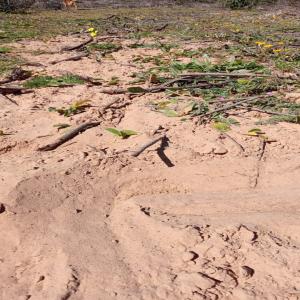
column 33, row 64
column 234, row 141
column 222, row 74
column 70, row 48
column 262, row 148
column 15, row 90
column 228, row 107
column 269, row 112
column 106, row 106
column 137, row 152
column 68, row 136
column 161, row 28
column 10, row 100
column 72, row 58
column 160, row 88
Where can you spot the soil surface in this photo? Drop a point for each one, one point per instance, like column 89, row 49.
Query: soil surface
column 199, row 219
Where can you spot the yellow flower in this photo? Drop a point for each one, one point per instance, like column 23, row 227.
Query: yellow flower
column 91, row 29
column 259, row 43
column 268, row 46
column 280, row 43
column 94, row 33
column 277, row 50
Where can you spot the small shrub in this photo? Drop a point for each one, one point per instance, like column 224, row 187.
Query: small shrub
column 14, row 5
column 237, row 4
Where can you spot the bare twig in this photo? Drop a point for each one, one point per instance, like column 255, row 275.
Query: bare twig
column 137, row 152
column 68, row 136
column 162, row 87
column 229, row 107
column 234, row 141
column 161, row 28
column 268, row 111
column 16, row 90
column 221, row 74
column 33, row 64
column 10, row 100
column 72, row 58
column 70, row 48
column 262, row 147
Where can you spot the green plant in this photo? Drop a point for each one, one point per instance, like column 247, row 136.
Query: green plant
column 49, row 81
column 114, row 80
column 124, row 134
column 226, row 66
column 237, row 4
column 73, row 109
column 4, row 50
column 104, row 48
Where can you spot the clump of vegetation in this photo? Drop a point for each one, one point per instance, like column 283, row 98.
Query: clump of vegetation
column 75, row 108
column 7, row 63
column 104, row 48
column 49, row 81
column 114, row 80
column 13, row 5
column 237, row 4
column 124, row 134
column 196, row 66
column 4, row 50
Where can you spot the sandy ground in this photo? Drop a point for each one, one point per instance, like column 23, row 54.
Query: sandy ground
column 88, row 221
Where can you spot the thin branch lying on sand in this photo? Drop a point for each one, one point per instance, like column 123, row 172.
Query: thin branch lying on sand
column 75, row 47
column 68, row 136
column 162, row 87
column 234, row 141
column 222, row 74
column 276, row 113
column 187, row 78
column 262, row 148
column 15, row 90
column 72, row 58
column 10, row 100
column 162, row 27
column 229, row 107
column 91, row 39
column 32, row 64
column 137, row 152
column 107, row 106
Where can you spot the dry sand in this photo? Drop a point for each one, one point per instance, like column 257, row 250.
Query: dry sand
column 81, row 222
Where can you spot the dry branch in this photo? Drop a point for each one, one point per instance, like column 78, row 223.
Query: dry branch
column 74, row 47
column 15, row 90
column 72, row 58
column 229, row 107
column 137, row 152
column 234, row 141
column 68, row 136
column 220, row 74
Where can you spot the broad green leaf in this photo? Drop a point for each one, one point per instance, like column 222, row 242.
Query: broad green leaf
column 255, row 132
column 127, row 133
column 169, row 112
column 80, row 104
column 114, row 131
column 221, row 126
column 136, row 90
